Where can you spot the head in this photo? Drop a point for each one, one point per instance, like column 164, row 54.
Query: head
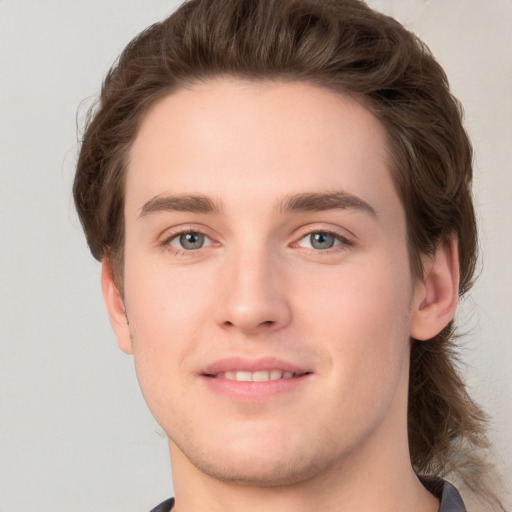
column 343, row 48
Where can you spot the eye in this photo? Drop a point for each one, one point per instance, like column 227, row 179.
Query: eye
column 189, row 241
column 321, row 240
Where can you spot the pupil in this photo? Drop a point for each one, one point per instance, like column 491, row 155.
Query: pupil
column 191, row 241
column 322, row 240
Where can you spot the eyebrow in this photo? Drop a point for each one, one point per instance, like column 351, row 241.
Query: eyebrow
column 195, row 203
column 308, row 201
column 321, row 201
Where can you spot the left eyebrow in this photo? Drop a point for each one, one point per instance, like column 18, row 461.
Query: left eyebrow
column 322, row 201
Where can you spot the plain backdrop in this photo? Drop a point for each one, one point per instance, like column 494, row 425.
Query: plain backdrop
column 74, row 431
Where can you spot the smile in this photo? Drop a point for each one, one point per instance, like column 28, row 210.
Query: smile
column 249, row 379
column 257, row 376
column 255, row 386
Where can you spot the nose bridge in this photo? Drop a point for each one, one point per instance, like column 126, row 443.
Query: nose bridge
column 255, row 297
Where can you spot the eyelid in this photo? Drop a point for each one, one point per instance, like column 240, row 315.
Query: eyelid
column 171, row 232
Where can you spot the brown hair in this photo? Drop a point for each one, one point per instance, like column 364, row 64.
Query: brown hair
column 346, row 47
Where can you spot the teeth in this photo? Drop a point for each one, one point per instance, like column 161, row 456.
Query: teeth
column 259, row 376
column 275, row 374
column 243, row 376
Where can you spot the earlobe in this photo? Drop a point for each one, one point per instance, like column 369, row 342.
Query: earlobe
column 437, row 293
column 115, row 308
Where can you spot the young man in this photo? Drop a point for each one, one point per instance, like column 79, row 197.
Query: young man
column 279, row 194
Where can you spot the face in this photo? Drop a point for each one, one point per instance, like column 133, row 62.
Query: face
column 267, row 284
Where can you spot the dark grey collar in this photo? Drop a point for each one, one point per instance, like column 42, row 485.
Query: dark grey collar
column 449, row 497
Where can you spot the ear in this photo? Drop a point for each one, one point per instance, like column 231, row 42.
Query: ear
column 115, row 308
column 436, row 295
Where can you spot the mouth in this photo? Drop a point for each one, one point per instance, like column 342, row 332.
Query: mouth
column 242, row 378
column 257, row 376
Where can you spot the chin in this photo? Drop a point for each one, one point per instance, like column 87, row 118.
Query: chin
column 271, row 473
column 256, row 467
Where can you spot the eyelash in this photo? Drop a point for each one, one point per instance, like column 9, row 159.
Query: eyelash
column 345, row 242
column 175, row 251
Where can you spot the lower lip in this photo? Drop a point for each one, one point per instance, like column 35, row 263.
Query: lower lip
column 254, row 390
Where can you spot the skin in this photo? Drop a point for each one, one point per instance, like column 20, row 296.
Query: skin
column 232, row 154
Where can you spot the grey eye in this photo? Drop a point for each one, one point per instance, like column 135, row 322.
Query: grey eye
column 191, row 241
column 322, row 240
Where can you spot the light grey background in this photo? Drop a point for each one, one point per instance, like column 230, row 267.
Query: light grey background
column 74, row 431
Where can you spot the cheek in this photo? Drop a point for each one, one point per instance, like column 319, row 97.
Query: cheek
column 165, row 304
column 362, row 319
column 167, row 313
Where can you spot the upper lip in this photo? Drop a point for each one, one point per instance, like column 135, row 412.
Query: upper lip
column 243, row 364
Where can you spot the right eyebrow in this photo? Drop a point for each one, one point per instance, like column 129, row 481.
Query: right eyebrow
column 195, row 203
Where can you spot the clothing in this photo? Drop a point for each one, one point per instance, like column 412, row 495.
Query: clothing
column 165, row 506
column 448, row 496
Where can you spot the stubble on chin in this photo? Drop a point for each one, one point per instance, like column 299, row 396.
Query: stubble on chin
column 263, row 471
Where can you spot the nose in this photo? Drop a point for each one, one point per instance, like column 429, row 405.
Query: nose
column 254, row 298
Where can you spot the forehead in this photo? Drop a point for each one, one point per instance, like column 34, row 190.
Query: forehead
column 226, row 138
